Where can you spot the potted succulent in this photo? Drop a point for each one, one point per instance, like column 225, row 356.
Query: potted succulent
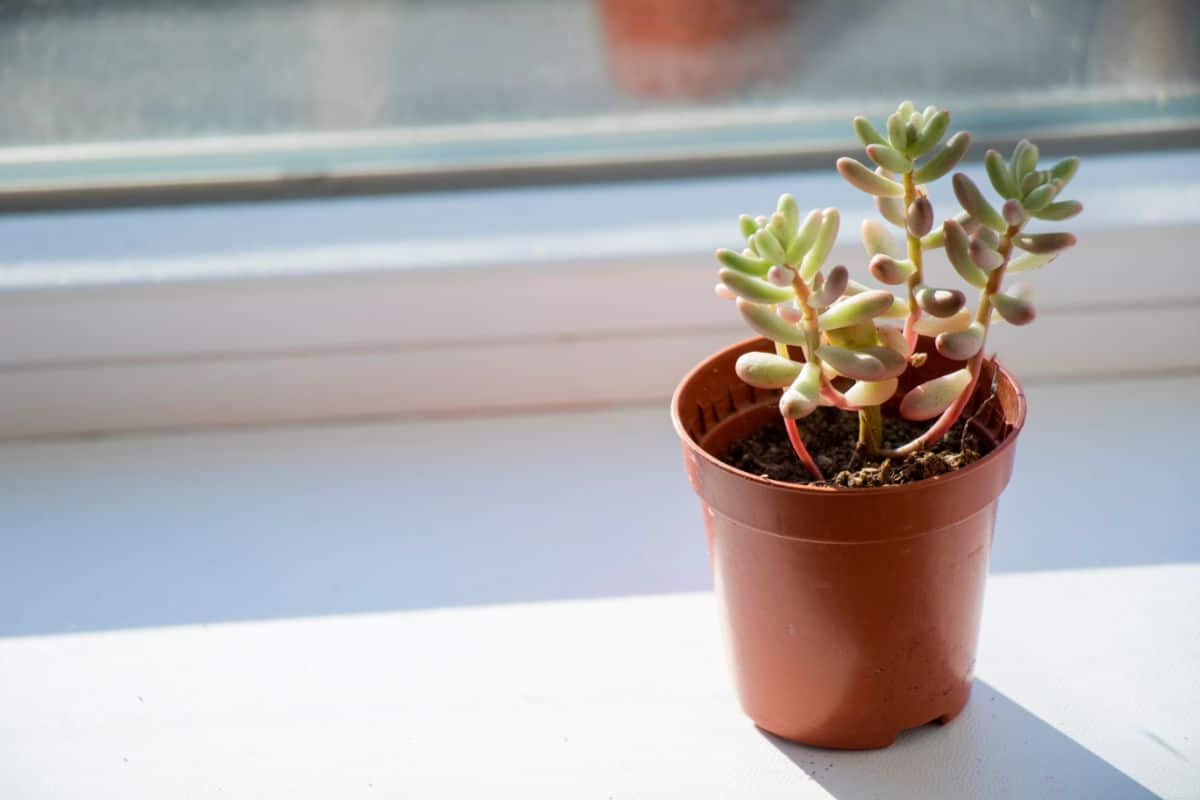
column 849, row 462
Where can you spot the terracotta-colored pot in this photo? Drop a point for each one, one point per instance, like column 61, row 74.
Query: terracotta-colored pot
column 694, row 48
column 852, row 614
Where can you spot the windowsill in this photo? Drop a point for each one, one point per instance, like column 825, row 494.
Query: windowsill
column 256, row 612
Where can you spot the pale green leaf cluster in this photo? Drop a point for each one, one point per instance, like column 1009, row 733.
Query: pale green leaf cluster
column 852, row 351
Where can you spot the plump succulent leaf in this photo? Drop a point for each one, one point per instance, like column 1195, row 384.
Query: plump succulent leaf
column 998, row 174
column 852, row 363
column 749, row 265
column 1024, row 159
column 864, row 394
column 961, row 345
column 754, row 289
column 1040, row 197
column 805, row 236
column 939, row 302
column 831, row 288
column 747, row 225
column 780, row 275
column 932, row 326
column 876, row 238
column 860, row 177
column 767, row 323
column 893, row 339
column 802, row 397
column 865, row 364
column 933, row 128
column 919, row 218
column 889, row 270
column 1015, row 305
column 933, row 397
column 896, row 132
column 945, row 159
column 1044, row 242
column 767, row 370
column 814, row 259
column 1065, row 169
column 856, row 308
column 769, row 247
column 891, row 208
column 791, row 215
column 983, row 256
column 958, row 251
column 973, row 202
column 866, row 132
column 1064, row 209
column 1030, row 261
column 889, row 158
column 1013, row 213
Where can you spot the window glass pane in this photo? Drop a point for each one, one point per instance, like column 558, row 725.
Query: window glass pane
column 132, row 91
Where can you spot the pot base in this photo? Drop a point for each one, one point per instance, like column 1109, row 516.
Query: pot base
column 863, row 739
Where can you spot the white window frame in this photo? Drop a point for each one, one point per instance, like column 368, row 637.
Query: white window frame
column 486, row 301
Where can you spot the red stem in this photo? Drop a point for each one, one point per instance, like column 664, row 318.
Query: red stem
column 946, row 421
column 801, row 450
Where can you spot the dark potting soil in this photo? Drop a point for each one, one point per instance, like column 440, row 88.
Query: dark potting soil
column 831, row 437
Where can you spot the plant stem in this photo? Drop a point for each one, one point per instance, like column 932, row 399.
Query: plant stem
column 812, row 337
column 983, row 315
column 870, row 429
column 914, row 255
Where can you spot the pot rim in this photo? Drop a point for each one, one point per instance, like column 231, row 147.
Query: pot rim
column 944, row 479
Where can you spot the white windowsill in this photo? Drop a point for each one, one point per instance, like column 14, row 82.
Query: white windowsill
column 267, row 612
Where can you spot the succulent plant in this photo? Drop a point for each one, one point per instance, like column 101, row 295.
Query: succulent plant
column 844, row 330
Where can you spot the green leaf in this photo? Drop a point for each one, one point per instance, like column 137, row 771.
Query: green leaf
column 933, row 397
column 940, row 303
column 891, row 271
column 767, row 370
column 814, row 259
column 998, row 174
column 958, row 251
column 1044, row 242
column 804, row 237
column 931, row 133
column 973, row 202
column 856, row 308
column 1016, row 307
column 945, row 159
column 889, row 158
column 1029, row 261
column 1060, row 211
column 745, row 264
column 764, row 321
column 891, row 209
column 754, row 289
column 747, row 225
column 857, row 175
column 866, row 132
column 1040, row 197
column 791, row 215
column 1065, row 169
column 876, row 238
column 1024, row 159
column 769, row 247
column 961, row 345
column 802, row 397
column 897, row 135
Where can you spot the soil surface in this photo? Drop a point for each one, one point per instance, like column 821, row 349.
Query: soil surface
column 831, row 437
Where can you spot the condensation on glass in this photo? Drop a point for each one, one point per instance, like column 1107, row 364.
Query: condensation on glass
column 136, row 91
